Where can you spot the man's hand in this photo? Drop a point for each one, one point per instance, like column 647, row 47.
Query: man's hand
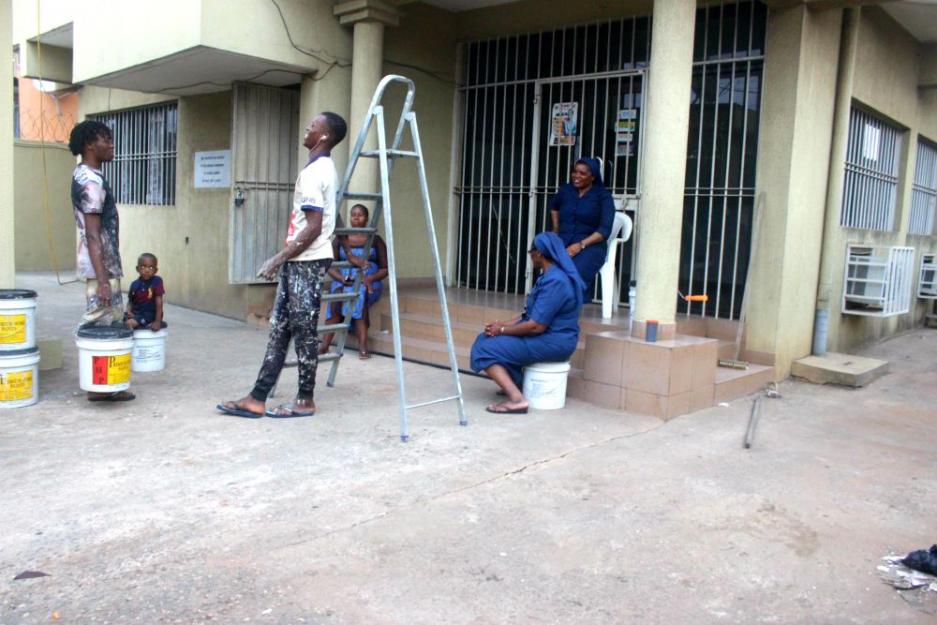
column 269, row 269
column 104, row 292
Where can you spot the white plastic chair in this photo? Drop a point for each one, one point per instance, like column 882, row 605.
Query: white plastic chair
column 621, row 232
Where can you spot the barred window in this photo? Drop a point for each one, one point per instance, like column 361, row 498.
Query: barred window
column 144, row 167
column 871, row 186
column 924, row 190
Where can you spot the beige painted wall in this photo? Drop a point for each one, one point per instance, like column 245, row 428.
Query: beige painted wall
column 190, row 238
column 7, row 246
column 535, row 15
column 886, row 79
column 52, row 14
column 41, row 226
column 793, row 151
column 139, row 33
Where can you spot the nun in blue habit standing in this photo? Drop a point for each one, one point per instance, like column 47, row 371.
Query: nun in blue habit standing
column 547, row 331
column 583, row 212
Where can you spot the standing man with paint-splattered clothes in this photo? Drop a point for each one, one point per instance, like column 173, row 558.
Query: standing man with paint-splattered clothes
column 302, row 267
column 98, row 232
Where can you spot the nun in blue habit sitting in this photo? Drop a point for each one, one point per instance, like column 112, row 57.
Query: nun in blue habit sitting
column 583, row 213
column 547, row 331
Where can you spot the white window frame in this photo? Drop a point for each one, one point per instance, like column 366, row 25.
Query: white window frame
column 144, row 167
column 923, row 215
column 870, row 184
column 877, row 280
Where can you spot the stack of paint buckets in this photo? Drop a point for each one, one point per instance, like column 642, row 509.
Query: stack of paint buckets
column 19, row 356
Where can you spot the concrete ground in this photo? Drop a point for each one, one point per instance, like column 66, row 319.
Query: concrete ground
column 163, row 511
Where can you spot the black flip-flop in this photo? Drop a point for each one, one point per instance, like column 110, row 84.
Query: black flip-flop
column 289, row 413
column 238, row 412
column 511, row 411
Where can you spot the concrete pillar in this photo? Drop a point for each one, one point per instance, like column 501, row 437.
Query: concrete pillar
column 664, row 166
column 7, row 250
column 794, row 152
column 368, row 19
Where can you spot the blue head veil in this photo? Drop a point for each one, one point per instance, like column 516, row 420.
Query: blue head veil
column 551, row 245
column 594, row 167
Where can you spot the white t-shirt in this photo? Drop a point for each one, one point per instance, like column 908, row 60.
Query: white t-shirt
column 315, row 191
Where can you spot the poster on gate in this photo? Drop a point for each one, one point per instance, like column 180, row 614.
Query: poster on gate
column 563, row 130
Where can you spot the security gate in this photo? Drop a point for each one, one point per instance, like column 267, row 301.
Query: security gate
column 521, row 136
column 264, row 151
column 509, row 169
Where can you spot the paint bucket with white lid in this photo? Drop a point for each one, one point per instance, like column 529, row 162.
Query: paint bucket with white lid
column 104, row 358
column 19, row 377
column 149, row 350
column 545, row 385
column 17, row 319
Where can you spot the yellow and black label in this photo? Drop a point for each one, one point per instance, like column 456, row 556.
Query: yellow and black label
column 12, row 329
column 107, row 370
column 16, row 385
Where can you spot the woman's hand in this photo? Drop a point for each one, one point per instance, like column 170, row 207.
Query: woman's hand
column 494, row 328
column 358, row 261
column 368, row 284
column 573, row 249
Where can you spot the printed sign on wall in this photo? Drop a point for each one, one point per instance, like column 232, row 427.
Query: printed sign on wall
column 563, row 130
column 213, row 169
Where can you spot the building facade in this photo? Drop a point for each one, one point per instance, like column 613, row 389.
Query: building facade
column 758, row 146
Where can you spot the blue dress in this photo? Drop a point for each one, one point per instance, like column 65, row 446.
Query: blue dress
column 579, row 218
column 552, row 302
column 364, row 298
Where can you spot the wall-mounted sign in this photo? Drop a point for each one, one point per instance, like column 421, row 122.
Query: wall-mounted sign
column 563, row 130
column 213, row 169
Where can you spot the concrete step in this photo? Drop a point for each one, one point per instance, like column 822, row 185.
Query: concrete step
column 726, row 350
column 734, row 383
column 419, row 350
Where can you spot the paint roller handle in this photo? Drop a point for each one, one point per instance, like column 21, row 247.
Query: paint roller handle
column 697, row 298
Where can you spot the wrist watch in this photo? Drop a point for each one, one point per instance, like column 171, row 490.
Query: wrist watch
column 582, row 246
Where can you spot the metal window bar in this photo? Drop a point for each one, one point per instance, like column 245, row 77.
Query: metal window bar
column 871, row 172
column 924, row 190
column 721, row 156
column 144, row 167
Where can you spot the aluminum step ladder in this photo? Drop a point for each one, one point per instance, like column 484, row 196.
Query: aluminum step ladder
column 386, row 157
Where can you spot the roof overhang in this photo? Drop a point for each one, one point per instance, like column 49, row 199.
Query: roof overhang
column 198, row 70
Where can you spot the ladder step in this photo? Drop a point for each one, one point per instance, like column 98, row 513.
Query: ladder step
column 390, row 154
column 338, row 297
column 341, row 264
column 351, row 195
column 335, row 327
column 346, row 231
column 433, row 401
column 322, row 358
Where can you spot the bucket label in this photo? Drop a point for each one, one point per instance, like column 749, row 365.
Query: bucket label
column 107, row 370
column 12, row 328
column 16, row 385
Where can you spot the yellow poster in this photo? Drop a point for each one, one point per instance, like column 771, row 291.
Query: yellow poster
column 12, row 328
column 16, row 385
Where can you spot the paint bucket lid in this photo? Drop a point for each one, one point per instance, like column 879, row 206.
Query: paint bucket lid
column 19, row 353
column 104, row 333
column 17, row 294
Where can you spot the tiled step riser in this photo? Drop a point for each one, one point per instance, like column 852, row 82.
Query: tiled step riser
column 752, row 382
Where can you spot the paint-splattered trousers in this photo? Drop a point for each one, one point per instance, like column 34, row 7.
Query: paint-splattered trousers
column 295, row 315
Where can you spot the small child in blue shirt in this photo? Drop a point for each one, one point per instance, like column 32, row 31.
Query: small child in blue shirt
column 145, row 301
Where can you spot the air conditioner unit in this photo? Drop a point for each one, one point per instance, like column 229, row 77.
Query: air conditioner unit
column 927, row 284
column 877, row 281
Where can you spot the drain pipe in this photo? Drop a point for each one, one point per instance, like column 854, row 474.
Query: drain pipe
column 829, row 250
